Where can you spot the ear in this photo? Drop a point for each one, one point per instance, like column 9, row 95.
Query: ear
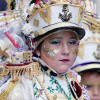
column 38, row 53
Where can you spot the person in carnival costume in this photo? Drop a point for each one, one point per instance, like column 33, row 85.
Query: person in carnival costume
column 88, row 60
column 52, row 32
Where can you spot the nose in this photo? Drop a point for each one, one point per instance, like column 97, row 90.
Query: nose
column 65, row 49
column 95, row 92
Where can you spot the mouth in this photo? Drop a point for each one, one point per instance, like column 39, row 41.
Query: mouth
column 95, row 98
column 64, row 60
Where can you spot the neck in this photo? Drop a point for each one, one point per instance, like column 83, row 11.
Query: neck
column 46, row 67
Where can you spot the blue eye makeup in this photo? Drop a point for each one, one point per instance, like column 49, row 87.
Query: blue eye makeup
column 73, row 41
column 54, row 41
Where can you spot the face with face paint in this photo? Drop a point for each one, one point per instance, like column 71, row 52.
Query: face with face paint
column 59, row 50
column 92, row 83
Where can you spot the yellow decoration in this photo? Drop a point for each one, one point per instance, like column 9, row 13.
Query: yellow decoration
column 80, row 15
column 71, row 76
column 8, row 3
column 27, row 55
column 17, row 58
column 10, row 17
column 92, row 22
column 73, row 51
column 3, row 52
column 27, row 70
column 50, row 52
column 1, row 69
column 81, row 51
column 4, row 94
column 46, row 15
column 21, row 57
column 36, row 22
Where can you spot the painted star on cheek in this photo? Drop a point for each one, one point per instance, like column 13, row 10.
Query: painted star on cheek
column 50, row 52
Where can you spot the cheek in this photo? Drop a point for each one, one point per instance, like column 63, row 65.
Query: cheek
column 50, row 52
column 74, row 50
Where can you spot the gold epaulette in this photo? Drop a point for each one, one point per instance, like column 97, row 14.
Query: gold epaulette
column 28, row 70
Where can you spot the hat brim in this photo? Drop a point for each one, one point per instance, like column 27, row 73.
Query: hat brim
column 44, row 32
column 86, row 67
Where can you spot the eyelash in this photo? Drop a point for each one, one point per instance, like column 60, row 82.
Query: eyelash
column 73, row 42
column 55, row 42
column 88, row 86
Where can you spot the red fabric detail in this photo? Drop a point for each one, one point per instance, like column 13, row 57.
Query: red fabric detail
column 8, row 35
column 37, row 2
column 77, row 89
column 17, row 64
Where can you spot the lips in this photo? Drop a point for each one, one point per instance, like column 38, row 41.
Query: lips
column 64, row 60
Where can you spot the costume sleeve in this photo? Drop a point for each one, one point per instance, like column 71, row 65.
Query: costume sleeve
column 20, row 90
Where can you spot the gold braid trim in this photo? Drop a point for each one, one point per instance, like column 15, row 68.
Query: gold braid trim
column 70, row 75
column 27, row 70
column 4, row 94
column 34, row 12
column 1, row 77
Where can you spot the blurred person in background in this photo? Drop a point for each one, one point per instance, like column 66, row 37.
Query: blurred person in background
column 3, row 5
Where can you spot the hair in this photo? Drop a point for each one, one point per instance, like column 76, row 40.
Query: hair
column 38, row 48
column 90, row 71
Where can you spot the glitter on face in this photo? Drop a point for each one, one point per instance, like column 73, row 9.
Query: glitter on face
column 50, row 52
column 73, row 51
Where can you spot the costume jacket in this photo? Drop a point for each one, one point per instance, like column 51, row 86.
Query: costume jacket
column 44, row 84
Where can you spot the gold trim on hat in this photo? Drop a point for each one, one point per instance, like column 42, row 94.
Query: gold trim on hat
column 48, row 6
column 86, row 67
column 80, row 15
column 46, row 29
column 47, row 16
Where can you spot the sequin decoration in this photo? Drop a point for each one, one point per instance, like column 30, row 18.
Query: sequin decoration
column 44, row 12
column 46, row 15
column 50, row 52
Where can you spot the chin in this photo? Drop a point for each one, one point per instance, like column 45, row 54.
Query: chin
column 95, row 98
column 63, row 71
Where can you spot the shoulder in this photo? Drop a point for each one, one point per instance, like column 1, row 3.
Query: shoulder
column 6, row 87
column 77, row 90
column 17, row 89
column 75, row 86
column 75, row 76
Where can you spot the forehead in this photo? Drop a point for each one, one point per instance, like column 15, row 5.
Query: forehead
column 92, row 77
column 63, row 34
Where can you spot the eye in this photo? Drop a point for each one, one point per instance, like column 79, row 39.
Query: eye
column 88, row 86
column 73, row 41
column 54, row 41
